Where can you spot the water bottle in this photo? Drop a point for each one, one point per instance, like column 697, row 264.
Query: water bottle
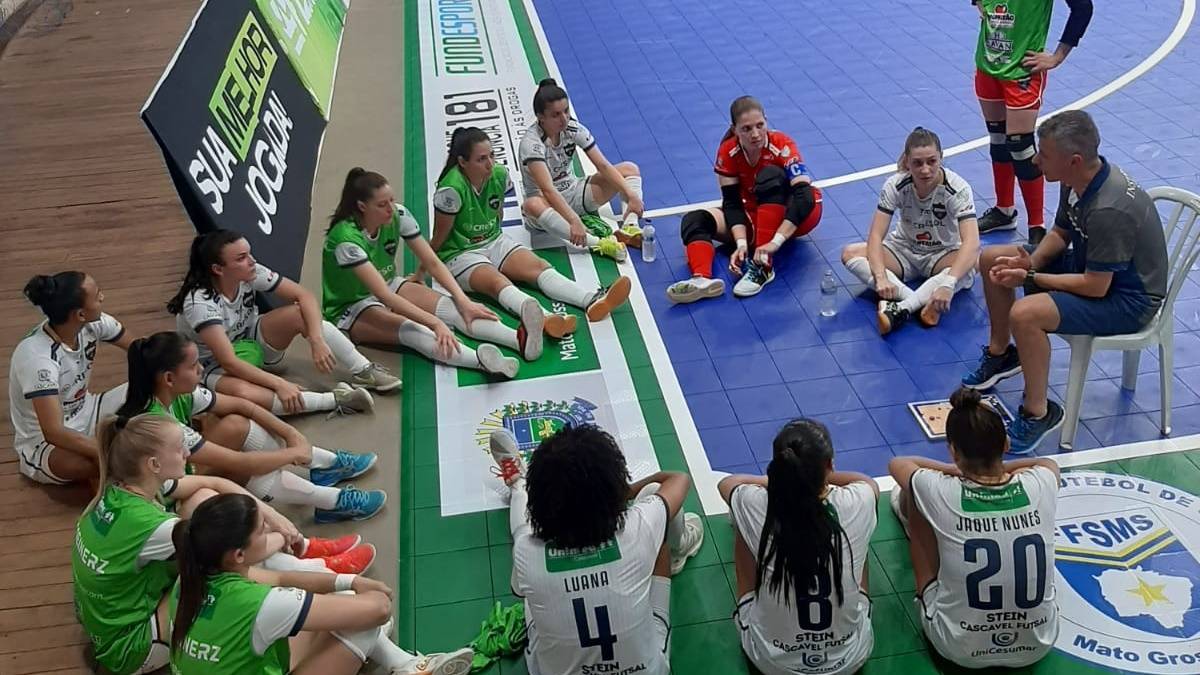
column 828, row 294
column 649, row 244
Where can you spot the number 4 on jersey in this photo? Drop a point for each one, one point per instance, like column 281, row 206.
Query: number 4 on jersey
column 604, row 637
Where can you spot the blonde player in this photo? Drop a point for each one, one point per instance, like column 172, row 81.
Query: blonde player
column 982, row 542
column 800, row 551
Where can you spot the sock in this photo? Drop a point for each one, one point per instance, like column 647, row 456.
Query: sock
column 518, row 503
column 561, row 288
column 391, row 657
column 480, row 329
column 553, row 222
column 288, row 488
column 257, row 439
column 1033, row 193
column 421, row 340
column 860, row 268
column 314, row 401
column 511, row 298
column 767, row 220
column 635, row 186
column 321, row 458
column 700, row 256
column 285, row 562
column 343, row 349
column 924, row 292
column 1005, row 178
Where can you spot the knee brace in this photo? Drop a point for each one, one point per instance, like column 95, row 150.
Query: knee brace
column 998, row 143
column 697, row 226
column 1022, row 149
column 771, row 185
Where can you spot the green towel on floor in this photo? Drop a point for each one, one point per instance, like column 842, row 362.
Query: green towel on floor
column 596, row 225
column 501, row 634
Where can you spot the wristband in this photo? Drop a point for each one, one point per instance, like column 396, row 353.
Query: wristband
column 778, row 240
column 741, row 244
column 343, row 582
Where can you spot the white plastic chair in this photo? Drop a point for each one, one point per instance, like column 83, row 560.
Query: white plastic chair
column 1183, row 235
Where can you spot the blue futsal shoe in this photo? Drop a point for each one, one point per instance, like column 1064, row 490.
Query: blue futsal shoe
column 348, row 465
column 1026, row 432
column 992, row 369
column 353, row 504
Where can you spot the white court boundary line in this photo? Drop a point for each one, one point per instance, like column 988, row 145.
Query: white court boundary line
column 1181, row 27
column 703, row 476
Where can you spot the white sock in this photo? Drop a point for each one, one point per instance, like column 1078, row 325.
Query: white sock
column 480, row 329
column 286, row 562
column 257, row 439
column 563, row 289
column 551, row 221
column 391, row 657
column 421, row 340
column 288, row 488
column 314, row 401
column 1007, row 210
column 860, row 268
column 343, row 349
column 518, row 504
column 924, row 292
column 635, row 186
column 321, row 458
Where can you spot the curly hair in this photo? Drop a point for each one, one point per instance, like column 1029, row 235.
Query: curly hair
column 578, row 488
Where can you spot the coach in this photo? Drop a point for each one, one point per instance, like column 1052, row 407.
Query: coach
column 1101, row 271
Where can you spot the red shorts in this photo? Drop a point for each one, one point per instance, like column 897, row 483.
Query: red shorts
column 1019, row 94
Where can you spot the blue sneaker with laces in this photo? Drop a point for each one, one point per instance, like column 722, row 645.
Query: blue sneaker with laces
column 992, row 369
column 353, row 504
column 347, row 465
column 1026, row 432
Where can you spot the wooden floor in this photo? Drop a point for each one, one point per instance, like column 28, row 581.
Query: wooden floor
column 82, row 186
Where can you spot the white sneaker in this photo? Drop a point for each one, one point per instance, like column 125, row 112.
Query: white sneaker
column 753, row 280
column 451, row 663
column 529, row 334
column 348, row 399
column 696, row 288
column 376, row 377
column 494, row 361
column 510, row 466
column 895, row 501
column 693, row 538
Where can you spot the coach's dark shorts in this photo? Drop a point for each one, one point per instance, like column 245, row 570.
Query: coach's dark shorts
column 1114, row 314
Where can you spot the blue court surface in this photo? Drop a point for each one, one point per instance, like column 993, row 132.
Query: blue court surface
column 653, row 81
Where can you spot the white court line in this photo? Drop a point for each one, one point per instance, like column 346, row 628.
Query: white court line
column 1176, row 36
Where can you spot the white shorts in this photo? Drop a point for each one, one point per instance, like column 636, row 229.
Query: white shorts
column 954, row 647
column 213, row 370
column 660, row 617
column 346, row 321
column 916, row 265
column 759, row 655
column 35, row 457
column 493, row 253
column 578, row 195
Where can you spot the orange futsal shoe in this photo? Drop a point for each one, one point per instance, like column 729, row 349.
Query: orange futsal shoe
column 355, row 561
column 324, row 548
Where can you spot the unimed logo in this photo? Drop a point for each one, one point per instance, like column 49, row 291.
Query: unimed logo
column 241, row 89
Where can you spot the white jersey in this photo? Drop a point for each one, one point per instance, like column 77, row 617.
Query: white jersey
column 832, row 638
column 43, row 366
column 238, row 315
column 930, row 224
column 994, row 601
column 591, row 609
column 537, row 147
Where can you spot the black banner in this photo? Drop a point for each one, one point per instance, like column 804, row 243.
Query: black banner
column 240, row 133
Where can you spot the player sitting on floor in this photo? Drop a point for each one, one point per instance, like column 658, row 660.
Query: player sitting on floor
column 468, row 209
column 800, row 554
column 1112, row 279
column 981, row 535
column 53, row 414
column 555, row 197
column 123, row 559
column 766, row 186
column 937, row 238
column 593, row 555
column 265, row 621
column 366, row 297
column 240, row 440
column 215, row 307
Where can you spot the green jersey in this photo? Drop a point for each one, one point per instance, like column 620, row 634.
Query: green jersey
column 182, row 410
column 476, row 212
column 1011, row 28
column 347, row 246
column 115, row 595
column 220, row 640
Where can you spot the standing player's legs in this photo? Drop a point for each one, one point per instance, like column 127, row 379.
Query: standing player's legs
column 525, row 267
column 1019, row 128
column 378, row 326
column 699, row 230
column 1010, row 109
column 1002, row 216
column 277, row 329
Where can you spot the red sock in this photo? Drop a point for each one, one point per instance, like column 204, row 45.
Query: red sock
column 767, row 220
column 1004, row 176
column 700, row 258
column 1033, row 193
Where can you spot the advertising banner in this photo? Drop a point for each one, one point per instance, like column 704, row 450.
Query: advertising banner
column 310, row 32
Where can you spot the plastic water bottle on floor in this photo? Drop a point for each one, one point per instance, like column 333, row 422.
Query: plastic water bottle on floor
column 828, row 294
column 649, row 244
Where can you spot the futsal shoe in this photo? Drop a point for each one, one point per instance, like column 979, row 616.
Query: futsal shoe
column 493, row 361
column 355, row 561
column 607, row 299
column 929, row 316
column 696, row 288
column 889, row 316
column 352, row 504
column 348, row 399
column 376, row 377
column 995, row 220
column 529, row 333
column 451, row 663
column 992, row 369
column 609, row 247
column 510, row 467
column 1037, row 234
column 753, row 280
column 558, row 326
column 629, row 234
column 1026, row 432
column 690, row 542
column 316, row 547
column 346, row 466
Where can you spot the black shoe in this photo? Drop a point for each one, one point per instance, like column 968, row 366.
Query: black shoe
column 995, row 220
column 1036, row 234
column 890, row 315
column 992, row 368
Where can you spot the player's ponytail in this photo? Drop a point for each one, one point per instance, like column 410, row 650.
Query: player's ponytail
column 360, row 186
column 219, row 525
column 462, row 143
column 740, row 106
column 801, row 539
column 547, row 92
column 204, row 253
column 919, row 137
column 57, row 295
column 125, row 444
column 975, row 430
column 149, row 357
